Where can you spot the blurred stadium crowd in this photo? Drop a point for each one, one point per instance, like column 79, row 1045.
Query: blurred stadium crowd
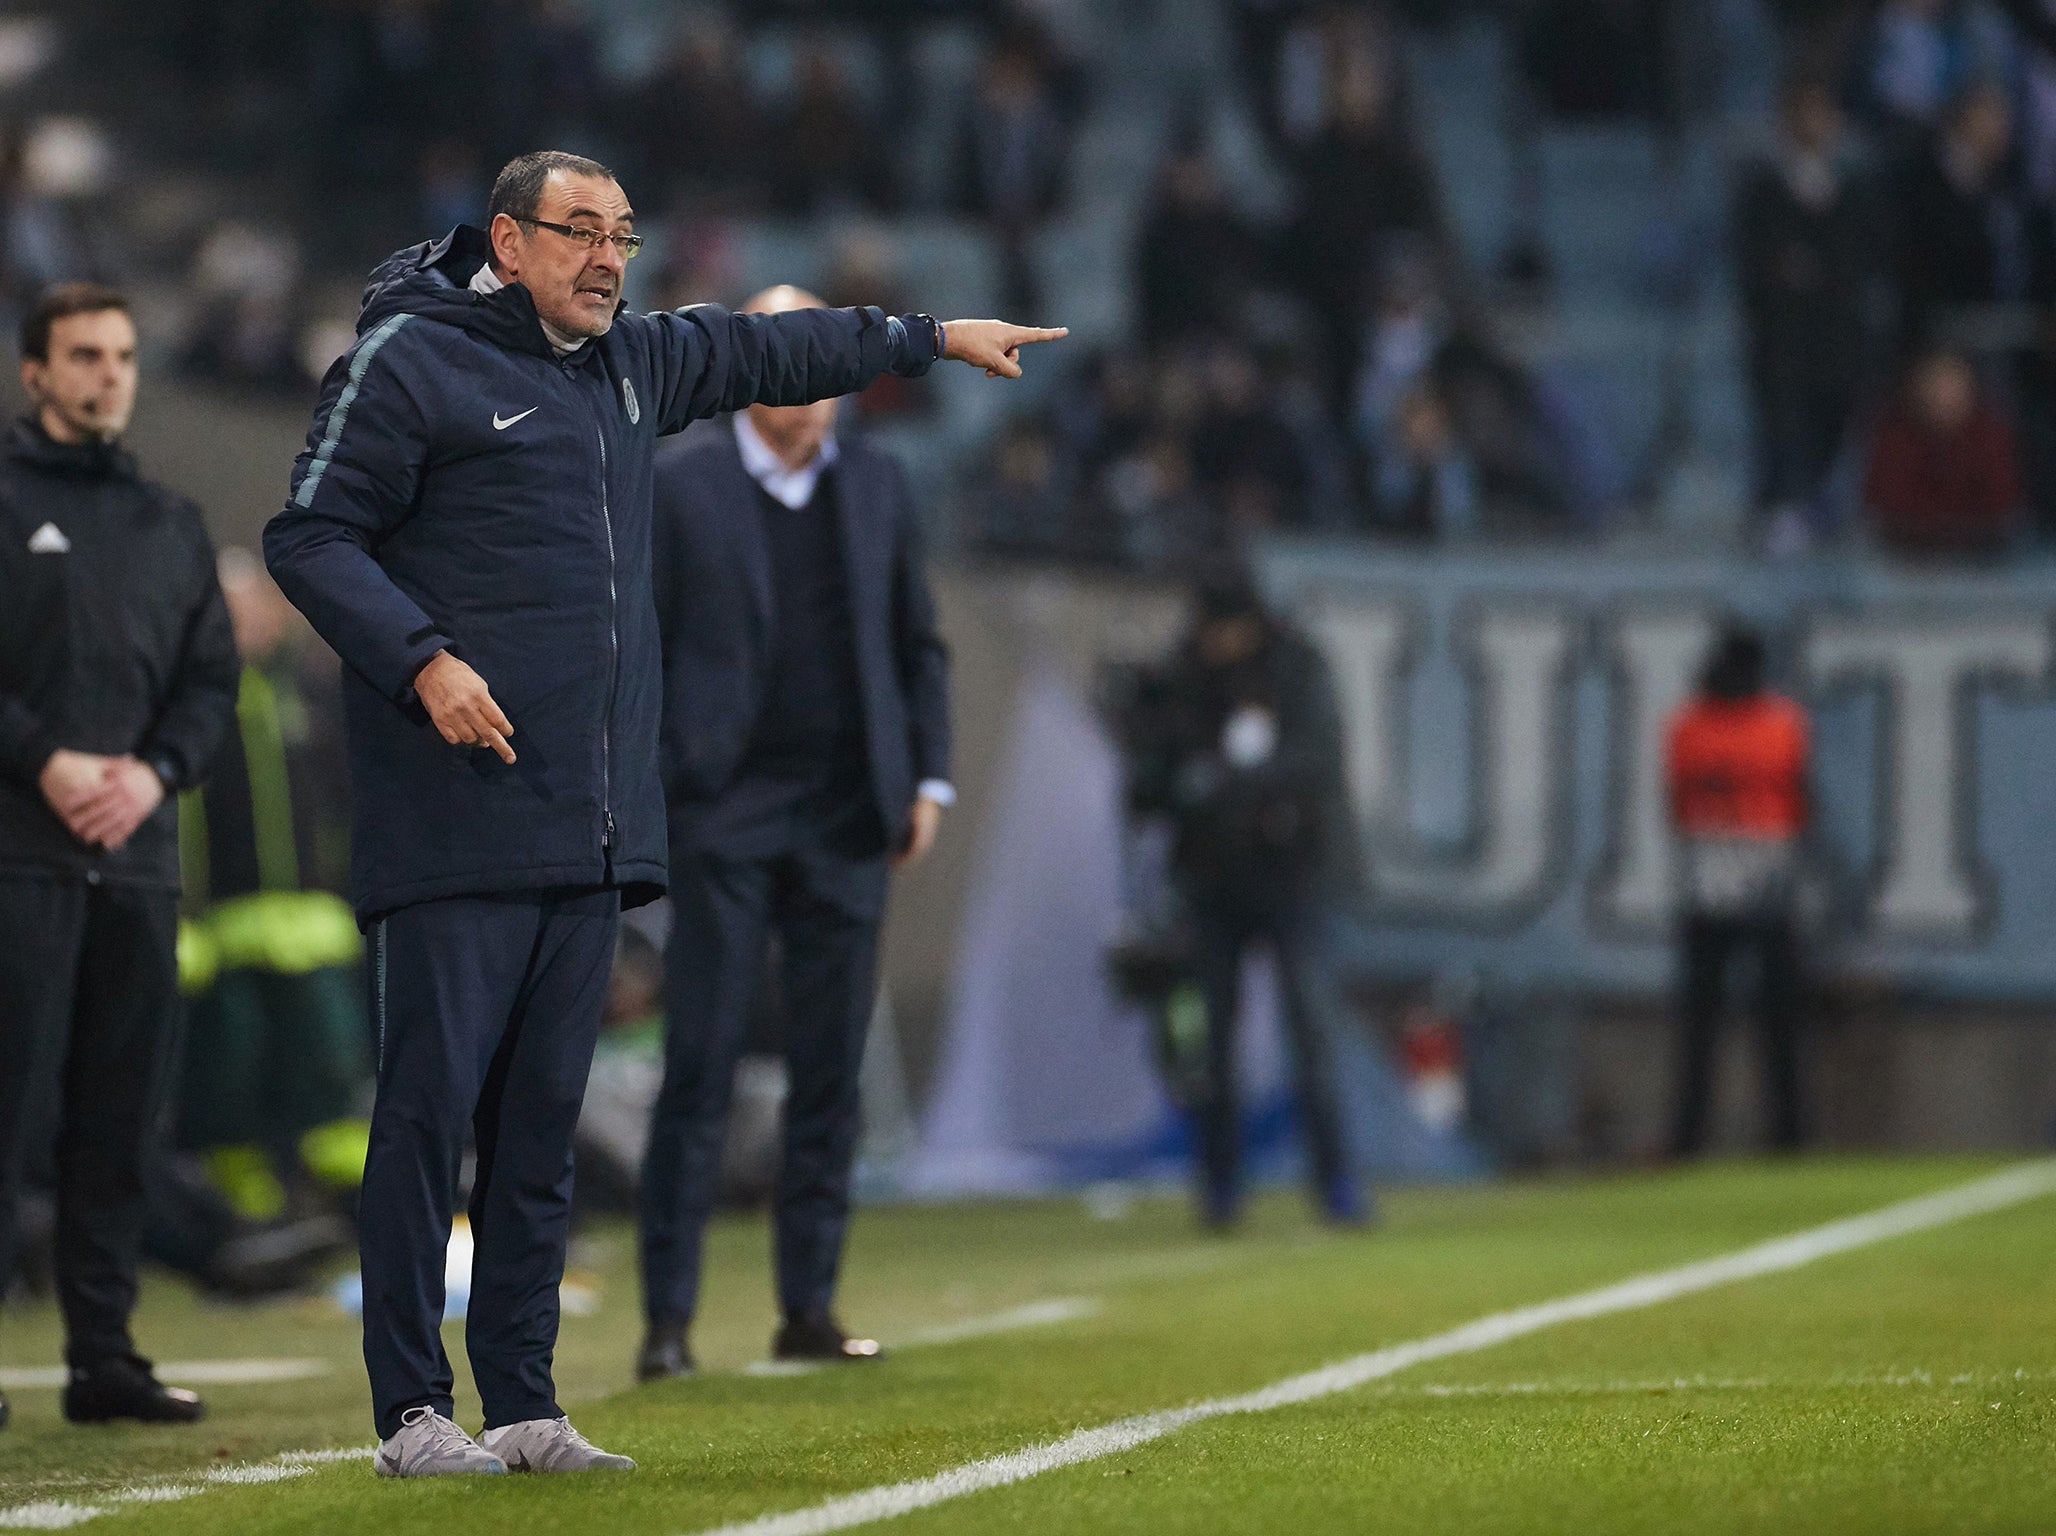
column 1419, row 269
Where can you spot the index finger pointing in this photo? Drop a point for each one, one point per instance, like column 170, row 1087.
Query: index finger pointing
column 1029, row 333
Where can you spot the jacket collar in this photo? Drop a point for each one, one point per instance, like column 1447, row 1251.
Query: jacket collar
column 432, row 281
column 27, row 443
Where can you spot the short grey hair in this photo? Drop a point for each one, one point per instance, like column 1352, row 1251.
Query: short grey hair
column 518, row 189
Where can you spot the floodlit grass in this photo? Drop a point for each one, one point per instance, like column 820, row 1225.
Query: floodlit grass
column 1908, row 1386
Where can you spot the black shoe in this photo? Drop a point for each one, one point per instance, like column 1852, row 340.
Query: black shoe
column 124, row 1388
column 820, row 1337
column 3, row 1410
column 664, row 1354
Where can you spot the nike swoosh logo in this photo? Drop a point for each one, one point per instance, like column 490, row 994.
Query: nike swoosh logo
column 502, row 423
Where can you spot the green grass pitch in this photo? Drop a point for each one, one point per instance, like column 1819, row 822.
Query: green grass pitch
column 1905, row 1386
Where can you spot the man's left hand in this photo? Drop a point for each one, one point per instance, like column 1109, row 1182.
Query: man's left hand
column 994, row 345
column 128, row 792
column 922, row 826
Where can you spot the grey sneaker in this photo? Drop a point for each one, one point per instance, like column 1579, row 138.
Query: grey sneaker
column 429, row 1445
column 549, row 1445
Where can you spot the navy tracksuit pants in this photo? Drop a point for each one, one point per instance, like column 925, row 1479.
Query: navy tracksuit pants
column 827, row 908
column 486, row 1010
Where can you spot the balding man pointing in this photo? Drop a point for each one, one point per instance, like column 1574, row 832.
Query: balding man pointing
column 806, row 746
column 469, row 529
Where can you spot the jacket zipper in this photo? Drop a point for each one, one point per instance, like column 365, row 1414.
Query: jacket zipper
column 613, row 660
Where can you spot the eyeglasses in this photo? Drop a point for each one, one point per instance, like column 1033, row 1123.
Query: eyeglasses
column 591, row 239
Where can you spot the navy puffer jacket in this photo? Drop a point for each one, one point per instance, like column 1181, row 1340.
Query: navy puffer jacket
column 465, row 489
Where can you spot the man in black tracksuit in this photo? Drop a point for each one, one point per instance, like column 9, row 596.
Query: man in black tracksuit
column 117, row 683
column 469, row 529
column 806, row 741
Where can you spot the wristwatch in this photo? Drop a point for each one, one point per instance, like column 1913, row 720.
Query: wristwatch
column 934, row 325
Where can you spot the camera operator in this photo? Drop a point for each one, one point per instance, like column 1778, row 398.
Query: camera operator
column 1237, row 745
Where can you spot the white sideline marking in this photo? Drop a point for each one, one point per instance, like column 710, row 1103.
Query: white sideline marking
column 1708, row 1384
column 1035, row 1314
column 258, row 1472
column 48, row 1517
column 197, row 1373
column 155, row 1493
column 164, row 1490
column 2013, row 1186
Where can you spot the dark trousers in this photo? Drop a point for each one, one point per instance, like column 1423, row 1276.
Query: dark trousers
column 1709, row 948
column 1805, row 406
column 88, row 1020
column 1312, row 1007
column 485, row 1011
column 826, row 908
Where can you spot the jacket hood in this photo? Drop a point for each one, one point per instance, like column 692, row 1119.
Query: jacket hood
column 430, row 280
column 28, row 443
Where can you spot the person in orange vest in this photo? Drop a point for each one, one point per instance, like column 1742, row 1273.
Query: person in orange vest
column 1736, row 759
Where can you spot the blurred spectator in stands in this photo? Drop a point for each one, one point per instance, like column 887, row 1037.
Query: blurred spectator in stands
column 245, row 327
column 1320, row 54
column 1405, row 331
column 1816, row 33
column 1807, row 235
column 1944, row 476
column 1145, row 508
column 1427, row 484
column 53, row 173
column 1736, row 761
column 1196, row 258
column 1960, row 226
column 2034, row 26
column 863, row 269
column 1519, row 464
column 1012, row 153
column 1245, row 456
column 1110, row 409
column 1261, row 27
column 557, row 82
column 1916, row 57
column 1527, row 479
column 699, row 263
column 450, row 186
column 1359, row 181
column 387, row 75
column 1603, row 58
column 1025, row 507
column 695, row 130
column 828, row 153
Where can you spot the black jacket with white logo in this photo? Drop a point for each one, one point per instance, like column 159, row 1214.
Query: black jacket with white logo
column 113, row 639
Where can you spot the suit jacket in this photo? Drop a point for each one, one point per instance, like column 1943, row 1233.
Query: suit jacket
column 712, row 575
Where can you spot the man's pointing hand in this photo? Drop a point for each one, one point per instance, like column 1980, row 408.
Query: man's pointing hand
column 462, row 707
column 994, row 345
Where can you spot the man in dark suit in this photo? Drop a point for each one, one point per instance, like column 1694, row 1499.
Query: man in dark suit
column 806, row 750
